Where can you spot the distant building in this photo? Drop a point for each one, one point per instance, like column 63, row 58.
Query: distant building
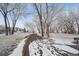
column 2, row 29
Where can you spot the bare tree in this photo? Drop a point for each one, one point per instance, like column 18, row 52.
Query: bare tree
column 4, row 9
column 66, row 22
column 47, row 14
column 30, row 26
column 37, row 23
column 50, row 14
column 38, row 8
column 75, row 15
column 16, row 14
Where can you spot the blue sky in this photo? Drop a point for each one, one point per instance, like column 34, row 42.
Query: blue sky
column 71, row 5
column 20, row 23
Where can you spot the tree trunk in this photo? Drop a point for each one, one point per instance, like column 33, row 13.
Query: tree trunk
column 77, row 26
column 9, row 29
column 41, row 24
column 78, row 29
column 13, row 29
column 42, row 32
column 47, row 30
column 40, row 18
column 6, row 28
column 38, row 30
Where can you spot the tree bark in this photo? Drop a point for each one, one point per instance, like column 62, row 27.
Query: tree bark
column 42, row 32
column 47, row 30
column 78, row 29
column 9, row 29
column 13, row 29
column 77, row 26
column 6, row 28
column 40, row 18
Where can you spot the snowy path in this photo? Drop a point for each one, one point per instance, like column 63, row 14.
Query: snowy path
column 35, row 49
column 18, row 51
column 8, row 43
column 45, row 47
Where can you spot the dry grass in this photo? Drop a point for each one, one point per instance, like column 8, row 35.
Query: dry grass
column 30, row 39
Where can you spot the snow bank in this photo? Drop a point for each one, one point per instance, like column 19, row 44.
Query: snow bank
column 18, row 50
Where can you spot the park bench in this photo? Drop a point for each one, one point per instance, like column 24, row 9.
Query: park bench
column 76, row 40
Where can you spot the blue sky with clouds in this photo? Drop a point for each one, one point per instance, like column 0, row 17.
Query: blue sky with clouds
column 21, row 22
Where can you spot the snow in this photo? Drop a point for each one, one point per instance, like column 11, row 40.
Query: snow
column 10, row 42
column 18, row 50
column 67, row 48
column 67, row 41
column 47, row 52
column 63, row 42
column 53, row 46
column 35, row 48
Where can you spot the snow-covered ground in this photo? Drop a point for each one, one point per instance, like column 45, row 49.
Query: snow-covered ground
column 18, row 50
column 56, row 45
column 48, row 49
column 8, row 43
